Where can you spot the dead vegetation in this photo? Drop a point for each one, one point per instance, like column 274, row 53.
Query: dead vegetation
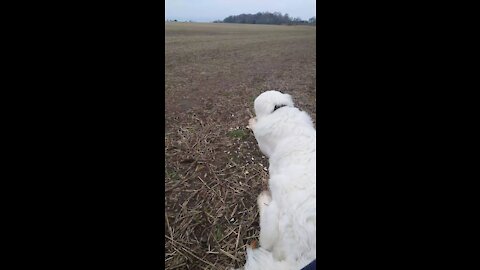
column 213, row 168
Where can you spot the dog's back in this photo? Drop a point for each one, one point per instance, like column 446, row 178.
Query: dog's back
column 293, row 187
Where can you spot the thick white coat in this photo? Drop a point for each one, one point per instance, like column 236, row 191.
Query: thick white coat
column 288, row 213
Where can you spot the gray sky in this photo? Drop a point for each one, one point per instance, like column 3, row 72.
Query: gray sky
column 210, row 10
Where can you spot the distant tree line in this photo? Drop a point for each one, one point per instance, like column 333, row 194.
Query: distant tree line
column 267, row 18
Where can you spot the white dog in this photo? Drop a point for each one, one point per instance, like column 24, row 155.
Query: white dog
column 288, row 212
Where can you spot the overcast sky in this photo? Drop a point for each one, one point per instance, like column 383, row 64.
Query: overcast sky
column 210, row 10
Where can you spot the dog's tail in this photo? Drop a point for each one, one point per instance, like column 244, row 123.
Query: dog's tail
column 261, row 258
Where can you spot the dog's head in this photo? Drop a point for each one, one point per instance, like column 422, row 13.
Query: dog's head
column 267, row 102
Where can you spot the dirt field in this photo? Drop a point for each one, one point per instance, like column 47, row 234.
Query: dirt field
column 213, row 167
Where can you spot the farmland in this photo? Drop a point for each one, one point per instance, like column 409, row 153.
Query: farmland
column 213, row 167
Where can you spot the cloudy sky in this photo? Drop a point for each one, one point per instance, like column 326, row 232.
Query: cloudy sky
column 210, row 10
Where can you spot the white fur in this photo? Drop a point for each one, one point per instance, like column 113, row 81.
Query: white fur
column 288, row 212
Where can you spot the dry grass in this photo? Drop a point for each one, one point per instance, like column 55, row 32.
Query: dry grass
column 213, row 168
